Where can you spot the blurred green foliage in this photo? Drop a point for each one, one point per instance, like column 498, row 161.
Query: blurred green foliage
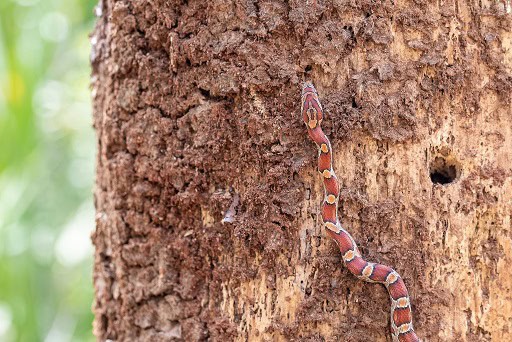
column 47, row 154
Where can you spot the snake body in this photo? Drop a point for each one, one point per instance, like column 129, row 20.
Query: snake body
column 401, row 314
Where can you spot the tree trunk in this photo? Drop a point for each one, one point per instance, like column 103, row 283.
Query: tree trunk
column 207, row 196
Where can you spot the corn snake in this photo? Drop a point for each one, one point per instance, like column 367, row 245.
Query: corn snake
column 401, row 314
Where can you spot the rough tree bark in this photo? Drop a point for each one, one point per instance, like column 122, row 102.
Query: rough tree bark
column 196, row 107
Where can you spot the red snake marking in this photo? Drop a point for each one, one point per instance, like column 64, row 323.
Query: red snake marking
column 401, row 315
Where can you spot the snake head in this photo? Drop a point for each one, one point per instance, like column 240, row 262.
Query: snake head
column 311, row 108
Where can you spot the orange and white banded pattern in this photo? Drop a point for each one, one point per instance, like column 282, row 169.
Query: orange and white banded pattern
column 401, row 315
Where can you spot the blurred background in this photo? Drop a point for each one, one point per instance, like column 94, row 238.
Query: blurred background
column 47, row 151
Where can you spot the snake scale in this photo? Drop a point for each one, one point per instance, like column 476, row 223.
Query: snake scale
column 401, row 314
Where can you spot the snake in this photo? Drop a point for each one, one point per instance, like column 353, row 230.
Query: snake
column 401, row 314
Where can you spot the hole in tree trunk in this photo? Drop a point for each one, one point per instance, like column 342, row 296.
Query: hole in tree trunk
column 444, row 170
